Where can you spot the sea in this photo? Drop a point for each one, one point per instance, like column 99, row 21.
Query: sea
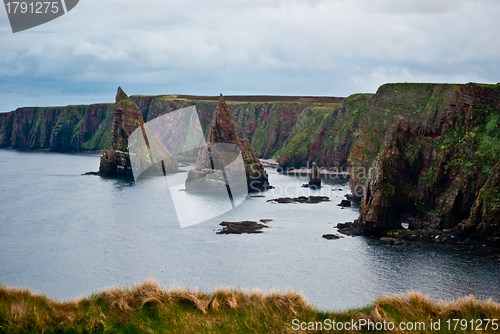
column 69, row 235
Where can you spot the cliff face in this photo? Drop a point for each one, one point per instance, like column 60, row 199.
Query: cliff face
column 269, row 123
column 61, row 129
column 441, row 176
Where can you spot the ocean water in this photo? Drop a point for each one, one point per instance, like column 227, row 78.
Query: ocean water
column 67, row 235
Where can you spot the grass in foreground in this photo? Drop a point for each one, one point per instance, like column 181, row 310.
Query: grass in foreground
column 148, row 308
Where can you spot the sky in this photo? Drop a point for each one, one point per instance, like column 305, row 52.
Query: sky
column 246, row 47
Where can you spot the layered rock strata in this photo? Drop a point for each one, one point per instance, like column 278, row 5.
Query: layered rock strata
column 223, row 131
column 115, row 162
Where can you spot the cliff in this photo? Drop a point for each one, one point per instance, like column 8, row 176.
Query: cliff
column 61, row 129
column 440, row 174
column 266, row 121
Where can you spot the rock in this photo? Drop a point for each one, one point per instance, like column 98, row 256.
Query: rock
column 317, row 199
column 223, row 131
column 282, row 200
column 315, row 177
column 127, row 117
column 352, row 198
column 395, row 241
column 269, row 163
column 345, row 203
column 331, row 236
column 301, row 199
column 350, row 228
column 241, row 227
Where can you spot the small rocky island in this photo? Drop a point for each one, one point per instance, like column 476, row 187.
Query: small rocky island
column 314, row 178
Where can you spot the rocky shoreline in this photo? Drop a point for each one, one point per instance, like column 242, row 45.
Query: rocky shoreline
column 404, row 237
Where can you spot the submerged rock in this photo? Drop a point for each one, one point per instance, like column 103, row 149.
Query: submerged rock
column 345, row 203
column 331, row 236
column 245, row 226
column 350, row 228
column 301, row 199
column 396, row 241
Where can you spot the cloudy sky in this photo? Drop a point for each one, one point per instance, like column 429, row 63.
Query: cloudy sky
column 285, row 47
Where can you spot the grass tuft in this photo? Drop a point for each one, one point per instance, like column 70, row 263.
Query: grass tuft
column 148, row 308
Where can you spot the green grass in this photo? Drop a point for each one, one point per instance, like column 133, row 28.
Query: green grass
column 148, row 308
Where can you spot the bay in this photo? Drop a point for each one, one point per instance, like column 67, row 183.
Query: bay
column 68, row 235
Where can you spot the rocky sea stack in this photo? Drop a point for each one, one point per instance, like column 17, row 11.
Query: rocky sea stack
column 223, row 131
column 127, row 117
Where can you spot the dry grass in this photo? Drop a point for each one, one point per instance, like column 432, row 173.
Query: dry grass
column 148, row 308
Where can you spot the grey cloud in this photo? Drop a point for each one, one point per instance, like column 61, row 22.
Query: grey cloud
column 251, row 47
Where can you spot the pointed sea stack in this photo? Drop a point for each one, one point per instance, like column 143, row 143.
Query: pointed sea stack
column 223, row 131
column 127, row 118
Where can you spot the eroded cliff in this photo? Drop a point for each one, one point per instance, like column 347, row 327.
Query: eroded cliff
column 440, row 174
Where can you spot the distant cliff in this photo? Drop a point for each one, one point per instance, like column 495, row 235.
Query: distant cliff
column 266, row 121
column 62, row 129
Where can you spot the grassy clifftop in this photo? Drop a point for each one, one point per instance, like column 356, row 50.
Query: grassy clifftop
column 148, row 308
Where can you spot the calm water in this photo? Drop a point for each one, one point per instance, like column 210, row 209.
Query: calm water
column 68, row 235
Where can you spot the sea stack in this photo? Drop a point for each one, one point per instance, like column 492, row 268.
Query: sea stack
column 315, row 178
column 223, row 131
column 127, row 117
